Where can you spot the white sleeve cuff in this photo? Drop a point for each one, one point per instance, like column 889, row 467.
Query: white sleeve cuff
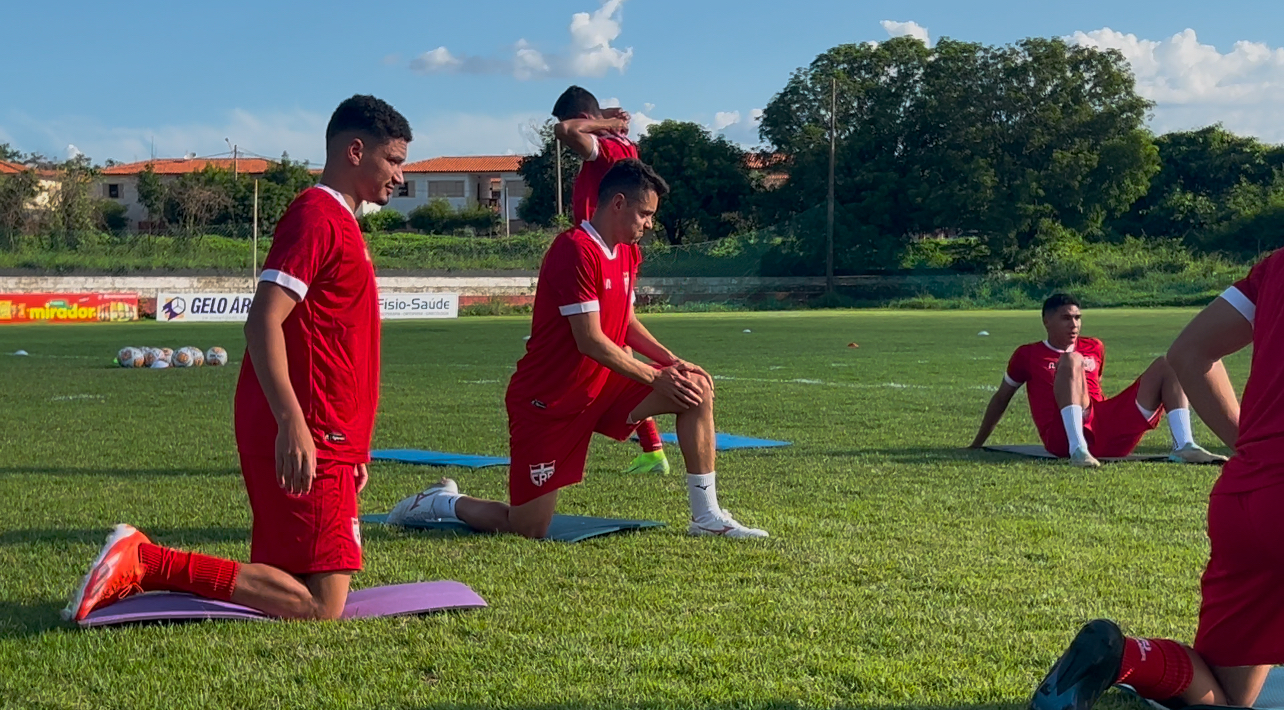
column 577, row 308
column 596, row 153
column 280, row 278
column 1236, row 298
column 1011, row 382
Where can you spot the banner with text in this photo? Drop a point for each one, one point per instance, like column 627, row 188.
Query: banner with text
column 202, row 307
column 68, row 307
column 406, row 306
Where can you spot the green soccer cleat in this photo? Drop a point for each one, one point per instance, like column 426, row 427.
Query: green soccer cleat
column 649, row 462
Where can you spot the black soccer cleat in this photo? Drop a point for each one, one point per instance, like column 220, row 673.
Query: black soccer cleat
column 1087, row 669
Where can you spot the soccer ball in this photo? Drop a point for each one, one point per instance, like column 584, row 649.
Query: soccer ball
column 130, row 357
column 216, row 357
column 150, row 356
column 198, row 357
column 186, row 357
column 167, row 354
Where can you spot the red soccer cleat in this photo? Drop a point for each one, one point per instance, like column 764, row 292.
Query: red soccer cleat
column 116, row 574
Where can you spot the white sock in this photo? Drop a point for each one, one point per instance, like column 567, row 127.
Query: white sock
column 443, row 504
column 703, row 496
column 1072, row 417
column 1179, row 423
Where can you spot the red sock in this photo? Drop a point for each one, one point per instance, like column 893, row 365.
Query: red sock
column 649, row 437
column 1158, row 669
column 191, row 572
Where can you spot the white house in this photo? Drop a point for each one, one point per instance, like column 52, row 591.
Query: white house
column 486, row 180
column 119, row 183
column 47, row 183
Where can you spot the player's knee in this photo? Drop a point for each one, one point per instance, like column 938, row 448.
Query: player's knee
column 532, row 530
column 706, row 393
column 1071, row 361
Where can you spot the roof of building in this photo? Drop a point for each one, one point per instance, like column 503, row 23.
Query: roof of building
column 466, row 164
column 8, row 168
column 182, row 166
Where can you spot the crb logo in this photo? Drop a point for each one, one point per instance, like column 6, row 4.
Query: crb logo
column 175, row 308
column 541, row 472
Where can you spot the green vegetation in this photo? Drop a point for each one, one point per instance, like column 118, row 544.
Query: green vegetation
column 903, row 572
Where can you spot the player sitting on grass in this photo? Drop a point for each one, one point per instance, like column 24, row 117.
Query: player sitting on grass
column 305, row 402
column 1240, row 635
column 600, row 137
column 576, row 378
column 1074, row 418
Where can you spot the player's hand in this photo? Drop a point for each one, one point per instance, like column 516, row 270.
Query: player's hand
column 616, row 112
column 678, row 386
column 362, row 477
column 695, row 370
column 618, row 126
column 296, row 457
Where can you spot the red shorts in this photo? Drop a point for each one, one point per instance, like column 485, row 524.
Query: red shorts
column 308, row 534
column 1241, row 616
column 1112, row 427
column 548, row 454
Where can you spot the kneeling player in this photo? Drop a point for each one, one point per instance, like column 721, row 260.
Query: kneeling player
column 1074, row 418
column 576, row 378
column 1241, row 618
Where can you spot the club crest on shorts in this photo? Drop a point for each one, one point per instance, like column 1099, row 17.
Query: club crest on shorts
column 356, row 530
column 541, row 472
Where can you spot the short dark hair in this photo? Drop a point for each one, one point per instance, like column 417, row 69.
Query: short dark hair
column 1057, row 301
column 369, row 116
column 575, row 101
column 630, row 177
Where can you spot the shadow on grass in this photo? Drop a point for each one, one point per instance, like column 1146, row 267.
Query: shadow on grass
column 167, row 536
column 28, row 619
column 117, row 472
column 732, row 705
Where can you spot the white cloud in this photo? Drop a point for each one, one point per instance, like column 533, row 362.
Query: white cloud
column 474, row 134
column 642, row 122
column 907, row 29
column 1194, row 84
column 648, row 107
column 73, row 152
column 589, row 54
column 755, row 116
column 723, row 119
column 613, row 102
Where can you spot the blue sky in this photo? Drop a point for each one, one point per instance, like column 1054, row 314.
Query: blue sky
column 109, row 78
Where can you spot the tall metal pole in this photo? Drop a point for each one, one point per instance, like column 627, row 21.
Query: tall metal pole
column 829, row 223
column 557, row 146
column 254, row 261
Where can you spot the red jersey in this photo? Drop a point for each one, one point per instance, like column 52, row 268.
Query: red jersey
column 1036, row 365
column 331, row 336
column 579, row 275
column 607, row 151
column 1259, row 451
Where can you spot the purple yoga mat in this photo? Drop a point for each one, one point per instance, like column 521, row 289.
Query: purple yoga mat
column 396, row 600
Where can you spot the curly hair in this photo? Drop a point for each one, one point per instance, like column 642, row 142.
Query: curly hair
column 370, row 117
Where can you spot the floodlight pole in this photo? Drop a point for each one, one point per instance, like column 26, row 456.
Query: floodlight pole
column 254, row 260
column 829, row 222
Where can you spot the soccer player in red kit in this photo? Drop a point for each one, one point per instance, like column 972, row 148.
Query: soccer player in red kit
column 576, row 379
column 1074, row 418
column 1241, row 618
column 305, row 402
column 600, row 137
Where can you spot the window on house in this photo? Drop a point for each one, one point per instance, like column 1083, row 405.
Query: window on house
column 445, row 188
column 517, row 188
column 406, row 189
column 113, row 191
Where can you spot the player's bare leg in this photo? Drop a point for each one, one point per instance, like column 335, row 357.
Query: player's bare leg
column 1071, row 389
column 1159, row 387
column 444, row 502
column 279, row 593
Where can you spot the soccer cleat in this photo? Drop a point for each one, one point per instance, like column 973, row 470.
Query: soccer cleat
column 649, row 462
column 1080, row 458
column 116, row 574
column 1089, row 666
column 1194, row 453
column 722, row 525
column 425, row 506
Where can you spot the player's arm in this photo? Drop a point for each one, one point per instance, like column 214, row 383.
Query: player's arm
column 994, row 412
column 1196, row 357
column 593, row 344
column 265, row 339
column 580, row 134
column 646, row 345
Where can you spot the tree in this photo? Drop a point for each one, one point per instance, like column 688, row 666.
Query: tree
column 16, row 192
column 152, row 194
column 708, row 180
column 540, row 173
column 10, row 154
column 72, row 208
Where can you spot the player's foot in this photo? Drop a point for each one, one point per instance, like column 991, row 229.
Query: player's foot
column 116, row 573
column 430, row 505
column 1080, row 458
column 649, row 462
column 722, row 525
column 1089, row 666
column 1194, row 453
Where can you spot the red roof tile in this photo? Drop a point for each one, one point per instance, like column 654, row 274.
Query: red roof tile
column 182, row 166
column 762, row 161
column 7, row 168
column 467, row 164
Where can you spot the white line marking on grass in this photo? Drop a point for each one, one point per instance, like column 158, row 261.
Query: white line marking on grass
column 479, row 382
column 73, row 397
column 849, row 385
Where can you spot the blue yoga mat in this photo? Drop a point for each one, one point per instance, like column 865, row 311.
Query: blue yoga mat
column 437, row 458
column 727, row 442
column 565, row 528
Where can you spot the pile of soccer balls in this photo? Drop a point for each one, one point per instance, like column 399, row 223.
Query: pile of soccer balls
column 161, row 358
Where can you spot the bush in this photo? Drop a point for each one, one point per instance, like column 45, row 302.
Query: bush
column 111, row 216
column 438, row 217
column 385, row 220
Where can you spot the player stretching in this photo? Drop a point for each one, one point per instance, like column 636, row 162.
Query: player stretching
column 1241, row 619
column 1074, row 418
column 600, row 137
column 305, row 401
column 576, row 378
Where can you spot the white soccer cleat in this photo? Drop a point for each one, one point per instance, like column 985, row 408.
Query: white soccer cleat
column 722, row 525
column 427, row 506
column 1080, row 458
column 1194, row 453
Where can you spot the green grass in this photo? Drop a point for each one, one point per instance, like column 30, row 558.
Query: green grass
column 902, row 571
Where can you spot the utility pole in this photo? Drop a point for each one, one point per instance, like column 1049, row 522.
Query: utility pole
column 829, row 222
column 254, row 260
column 557, row 146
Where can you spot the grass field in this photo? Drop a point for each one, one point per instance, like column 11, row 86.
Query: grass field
column 902, row 572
